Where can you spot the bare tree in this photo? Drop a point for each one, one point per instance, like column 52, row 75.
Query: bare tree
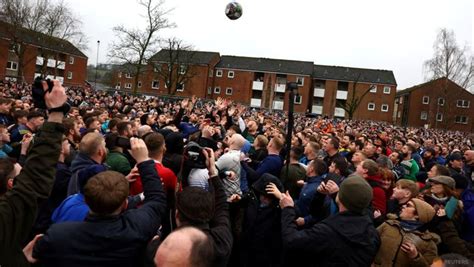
column 135, row 46
column 350, row 105
column 450, row 60
column 173, row 64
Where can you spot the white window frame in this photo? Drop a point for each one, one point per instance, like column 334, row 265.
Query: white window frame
column 12, row 63
column 69, row 75
column 373, row 88
column 139, row 84
column 382, row 107
column 401, row 100
column 118, row 85
column 155, row 87
column 229, row 74
column 386, row 90
column 157, row 68
column 462, row 103
column 128, row 85
column 217, row 90
column 182, row 88
column 227, row 91
column 460, row 121
column 298, row 97
column 182, row 69
column 439, row 100
column 71, row 60
column 302, row 81
column 128, row 75
column 425, row 100
column 424, row 116
column 219, row 73
column 209, row 90
column 438, row 117
column 368, row 106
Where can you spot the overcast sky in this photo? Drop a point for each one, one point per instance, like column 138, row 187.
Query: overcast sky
column 379, row 34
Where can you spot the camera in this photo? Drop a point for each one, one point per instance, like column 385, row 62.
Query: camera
column 38, row 91
column 194, row 156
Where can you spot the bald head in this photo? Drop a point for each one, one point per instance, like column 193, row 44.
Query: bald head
column 469, row 156
column 236, row 142
column 144, row 130
column 91, row 143
column 187, row 246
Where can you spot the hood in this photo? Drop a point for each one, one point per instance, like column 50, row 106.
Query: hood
column 261, row 184
column 353, row 228
column 375, row 178
column 81, row 161
column 174, row 143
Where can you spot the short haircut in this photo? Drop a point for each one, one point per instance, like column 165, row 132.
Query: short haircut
column 17, row 114
column 5, row 101
column 319, row 166
column 442, row 170
column 91, row 143
column 69, row 124
column 195, row 205
column 6, row 168
column 90, row 120
column 154, row 142
column 411, row 147
column 408, row 185
column 113, row 122
column 278, row 143
column 371, row 166
column 262, row 140
column 314, row 146
column 122, row 126
column 105, row 192
column 297, row 152
column 342, row 165
column 202, row 251
column 351, row 136
column 359, row 144
column 334, row 141
column 34, row 114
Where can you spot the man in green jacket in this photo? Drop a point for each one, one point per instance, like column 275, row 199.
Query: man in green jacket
column 18, row 207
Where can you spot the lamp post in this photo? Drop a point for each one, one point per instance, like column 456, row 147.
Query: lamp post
column 96, row 64
column 291, row 87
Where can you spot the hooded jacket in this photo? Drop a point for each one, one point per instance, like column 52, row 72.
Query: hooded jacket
column 379, row 200
column 345, row 239
column 80, row 162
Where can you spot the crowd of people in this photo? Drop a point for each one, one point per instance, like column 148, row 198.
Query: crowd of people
column 107, row 179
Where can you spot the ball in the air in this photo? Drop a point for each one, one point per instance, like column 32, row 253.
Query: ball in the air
column 233, row 10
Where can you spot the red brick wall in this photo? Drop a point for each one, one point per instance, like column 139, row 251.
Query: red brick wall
column 3, row 57
column 241, row 85
column 379, row 98
column 78, row 69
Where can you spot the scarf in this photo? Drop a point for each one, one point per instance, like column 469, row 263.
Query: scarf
column 410, row 226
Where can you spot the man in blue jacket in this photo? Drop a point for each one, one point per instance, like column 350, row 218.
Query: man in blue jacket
column 107, row 237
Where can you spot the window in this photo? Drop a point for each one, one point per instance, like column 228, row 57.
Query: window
column 209, row 90
column 69, row 75
column 426, row 100
column 217, row 90
column 228, row 91
column 441, row 101
column 298, row 99
column 373, row 88
column 401, row 100
column 461, row 119
column 371, row 106
column 180, row 87
column 439, row 117
column 386, row 90
column 71, row 60
column 300, row 81
column 155, row 84
column 211, row 73
column 119, row 75
column 182, row 69
column 117, row 86
column 230, row 74
column 128, row 76
column 218, row 73
column 12, row 65
column 128, row 85
column 139, row 84
column 157, row 68
column 463, row 103
column 14, row 47
column 399, row 114
column 424, row 116
column 384, row 108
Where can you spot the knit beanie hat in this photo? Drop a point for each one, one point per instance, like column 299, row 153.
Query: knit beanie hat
column 424, row 210
column 355, row 194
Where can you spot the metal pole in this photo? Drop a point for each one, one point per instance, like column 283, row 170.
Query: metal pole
column 96, row 64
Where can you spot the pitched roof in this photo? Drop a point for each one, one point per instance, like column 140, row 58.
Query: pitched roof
column 266, row 65
column 40, row 40
column 185, row 56
column 413, row 88
column 340, row 73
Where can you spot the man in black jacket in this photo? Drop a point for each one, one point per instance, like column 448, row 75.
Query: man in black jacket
column 348, row 238
column 18, row 207
column 107, row 237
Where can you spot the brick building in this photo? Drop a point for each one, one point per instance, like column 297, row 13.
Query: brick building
column 335, row 86
column 439, row 103
column 41, row 54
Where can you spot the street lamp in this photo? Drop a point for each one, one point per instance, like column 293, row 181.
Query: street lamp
column 292, row 88
column 96, row 64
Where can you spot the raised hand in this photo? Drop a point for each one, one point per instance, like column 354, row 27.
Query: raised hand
column 286, row 201
column 184, row 103
column 210, row 161
column 57, row 97
column 139, row 150
column 273, row 190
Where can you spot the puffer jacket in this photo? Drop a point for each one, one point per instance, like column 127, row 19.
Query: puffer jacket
column 390, row 252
